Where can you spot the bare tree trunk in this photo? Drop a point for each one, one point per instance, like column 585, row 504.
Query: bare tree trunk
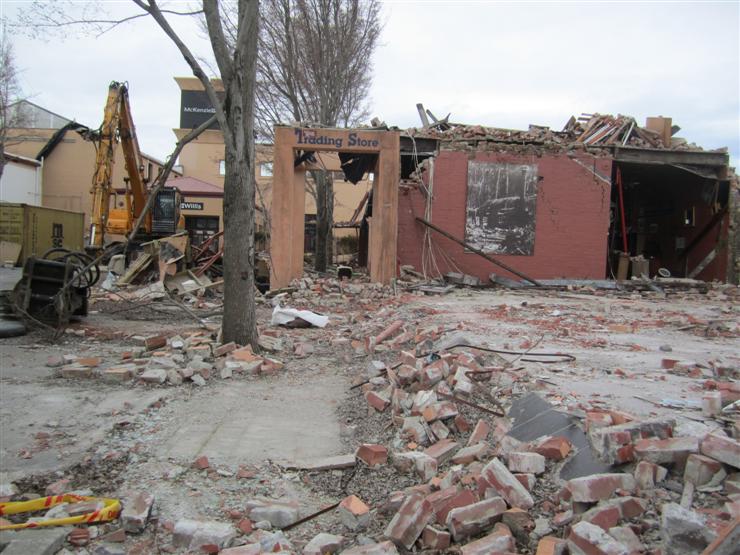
column 324, row 219
column 239, row 322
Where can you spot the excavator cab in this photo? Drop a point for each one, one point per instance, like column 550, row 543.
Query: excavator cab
column 166, row 219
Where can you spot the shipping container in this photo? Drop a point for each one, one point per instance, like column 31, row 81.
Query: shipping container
column 27, row 230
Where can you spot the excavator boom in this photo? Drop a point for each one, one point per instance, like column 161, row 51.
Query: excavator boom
column 118, row 127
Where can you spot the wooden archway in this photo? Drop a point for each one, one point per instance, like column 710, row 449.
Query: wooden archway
column 289, row 197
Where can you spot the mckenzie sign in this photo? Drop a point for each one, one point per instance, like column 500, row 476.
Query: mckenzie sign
column 314, row 137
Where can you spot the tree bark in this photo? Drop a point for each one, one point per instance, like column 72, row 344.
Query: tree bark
column 324, row 219
column 239, row 321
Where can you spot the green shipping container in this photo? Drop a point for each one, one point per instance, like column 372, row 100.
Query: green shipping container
column 36, row 230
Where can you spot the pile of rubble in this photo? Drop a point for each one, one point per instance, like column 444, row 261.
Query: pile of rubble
column 478, row 480
column 161, row 360
column 453, row 464
column 594, row 130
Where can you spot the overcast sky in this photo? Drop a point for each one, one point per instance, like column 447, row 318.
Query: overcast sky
column 505, row 64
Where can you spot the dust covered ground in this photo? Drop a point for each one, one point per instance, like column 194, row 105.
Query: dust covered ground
column 204, row 452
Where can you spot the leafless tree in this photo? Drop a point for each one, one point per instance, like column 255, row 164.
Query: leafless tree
column 236, row 63
column 10, row 93
column 315, row 66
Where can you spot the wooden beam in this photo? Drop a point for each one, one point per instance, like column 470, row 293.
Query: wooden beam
column 717, row 218
column 689, row 157
column 479, row 252
column 422, row 114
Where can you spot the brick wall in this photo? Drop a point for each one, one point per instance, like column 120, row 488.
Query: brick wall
column 572, row 217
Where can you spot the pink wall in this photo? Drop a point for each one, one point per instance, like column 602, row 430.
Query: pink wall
column 572, row 217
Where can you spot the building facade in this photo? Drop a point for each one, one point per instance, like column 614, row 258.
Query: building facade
column 204, row 159
column 67, row 160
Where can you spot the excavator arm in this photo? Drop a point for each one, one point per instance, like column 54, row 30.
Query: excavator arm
column 104, row 159
column 118, row 126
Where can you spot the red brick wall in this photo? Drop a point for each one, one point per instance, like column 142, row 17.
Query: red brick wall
column 572, row 218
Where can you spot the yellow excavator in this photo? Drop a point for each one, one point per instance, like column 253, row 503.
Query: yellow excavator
column 163, row 218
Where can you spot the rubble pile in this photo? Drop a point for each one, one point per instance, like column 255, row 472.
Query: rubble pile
column 591, row 130
column 481, row 489
column 438, row 461
column 162, row 360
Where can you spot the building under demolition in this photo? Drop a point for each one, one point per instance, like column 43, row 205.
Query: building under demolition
column 566, row 204
column 602, row 199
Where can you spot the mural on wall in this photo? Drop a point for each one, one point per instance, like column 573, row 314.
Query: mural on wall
column 502, row 199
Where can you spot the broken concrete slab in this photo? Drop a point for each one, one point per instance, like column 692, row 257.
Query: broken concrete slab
column 279, row 513
column 136, row 510
column 382, row 548
column 541, row 419
column 324, row 544
column 193, row 534
column 43, row 541
column 684, row 532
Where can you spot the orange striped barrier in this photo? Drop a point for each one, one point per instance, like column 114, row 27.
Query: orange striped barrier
column 110, row 511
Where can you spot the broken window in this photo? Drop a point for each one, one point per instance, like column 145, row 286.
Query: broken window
column 501, row 205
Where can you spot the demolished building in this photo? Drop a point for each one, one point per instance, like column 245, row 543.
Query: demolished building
column 586, row 202
column 565, row 204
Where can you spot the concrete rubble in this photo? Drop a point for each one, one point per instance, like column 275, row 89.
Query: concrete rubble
column 434, row 465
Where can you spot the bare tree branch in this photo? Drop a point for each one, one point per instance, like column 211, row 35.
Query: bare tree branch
column 150, row 6
column 164, row 173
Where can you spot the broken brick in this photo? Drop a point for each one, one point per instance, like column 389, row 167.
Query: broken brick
column 58, row 488
column 597, row 487
column 498, row 541
column 666, row 451
column 590, row 539
column 683, row 530
column 550, row 545
column 460, row 499
column 377, row 400
column 432, row 538
column 372, row 455
column 353, row 513
column 245, row 526
column 497, row 476
column 201, row 463
column 471, row 520
column 409, row 522
column 461, row 424
column 723, row 449
column 480, row 433
column 155, row 342
column 727, row 541
column 469, row 454
column 553, row 448
column 442, row 451
column 528, row 463
column 224, row 349
column 324, row 544
column 136, row 510
column 648, row 474
column 519, row 522
column 90, row 362
column 701, row 471
column 527, row 480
